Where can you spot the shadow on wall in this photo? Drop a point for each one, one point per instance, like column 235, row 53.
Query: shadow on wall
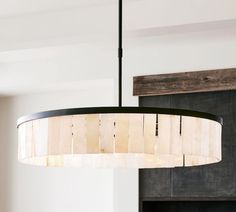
column 7, row 147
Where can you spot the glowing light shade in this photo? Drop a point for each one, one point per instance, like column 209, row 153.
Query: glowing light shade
column 120, row 137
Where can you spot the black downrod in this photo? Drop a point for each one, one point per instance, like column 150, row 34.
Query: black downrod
column 120, row 51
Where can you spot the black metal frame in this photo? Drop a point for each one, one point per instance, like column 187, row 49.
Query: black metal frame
column 113, row 110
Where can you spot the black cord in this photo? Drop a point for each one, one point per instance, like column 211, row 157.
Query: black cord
column 120, row 51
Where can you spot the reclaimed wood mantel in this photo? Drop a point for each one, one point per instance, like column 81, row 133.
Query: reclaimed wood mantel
column 185, row 82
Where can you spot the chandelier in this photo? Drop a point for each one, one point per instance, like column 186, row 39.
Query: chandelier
column 112, row 137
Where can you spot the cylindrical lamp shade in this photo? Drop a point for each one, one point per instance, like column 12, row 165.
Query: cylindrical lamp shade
column 120, row 137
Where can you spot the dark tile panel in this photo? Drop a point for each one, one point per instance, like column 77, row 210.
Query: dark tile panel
column 153, row 101
column 155, row 182
column 206, row 181
column 217, row 180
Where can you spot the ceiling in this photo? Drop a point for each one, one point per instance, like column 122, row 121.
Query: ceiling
column 50, row 45
column 22, row 7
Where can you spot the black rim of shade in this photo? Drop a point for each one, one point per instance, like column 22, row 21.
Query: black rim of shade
column 113, row 110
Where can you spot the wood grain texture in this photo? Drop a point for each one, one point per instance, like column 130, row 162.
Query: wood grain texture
column 186, row 82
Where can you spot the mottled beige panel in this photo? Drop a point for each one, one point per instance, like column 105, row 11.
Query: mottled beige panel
column 79, row 134
column 218, row 148
column 191, row 134
column 107, row 132
column 122, row 133
column 40, row 137
column 205, row 139
column 92, row 133
column 136, row 133
column 60, row 135
column 38, row 161
column 53, row 135
column 66, row 135
column 176, row 138
column 163, row 135
column 22, row 141
column 56, row 160
column 215, row 139
column 29, row 147
column 169, row 140
column 149, row 133
column 193, row 160
column 197, row 135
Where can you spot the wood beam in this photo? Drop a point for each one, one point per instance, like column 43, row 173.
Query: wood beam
column 186, row 82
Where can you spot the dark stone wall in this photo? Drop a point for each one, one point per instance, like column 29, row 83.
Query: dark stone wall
column 211, row 182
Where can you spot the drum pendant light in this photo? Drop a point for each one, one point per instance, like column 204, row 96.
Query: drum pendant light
column 110, row 137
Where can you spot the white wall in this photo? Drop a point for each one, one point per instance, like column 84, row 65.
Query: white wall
column 126, row 190
column 27, row 188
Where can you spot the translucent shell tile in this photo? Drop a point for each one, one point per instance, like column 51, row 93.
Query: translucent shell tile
column 92, row 133
column 194, row 139
column 60, row 135
column 121, row 133
column 201, row 141
column 149, row 133
column 215, row 136
column 168, row 138
column 107, row 133
column 136, row 130
column 40, row 136
column 79, row 130
column 22, row 142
